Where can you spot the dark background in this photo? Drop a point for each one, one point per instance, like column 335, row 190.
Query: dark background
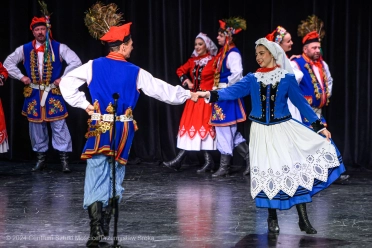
column 163, row 32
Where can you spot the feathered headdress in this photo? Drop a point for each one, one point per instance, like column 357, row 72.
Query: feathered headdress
column 229, row 27
column 44, row 10
column 232, row 25
column 310, row 27
column 100, row 18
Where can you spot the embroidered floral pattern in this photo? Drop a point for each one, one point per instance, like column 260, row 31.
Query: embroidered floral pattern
column 55, row 107
column 218, row 113
column 316, row 84
column 27, row 90
column 31, row 110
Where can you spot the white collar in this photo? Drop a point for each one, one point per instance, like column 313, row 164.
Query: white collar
column 38, row 44
column 203, row 61
column 271, row 77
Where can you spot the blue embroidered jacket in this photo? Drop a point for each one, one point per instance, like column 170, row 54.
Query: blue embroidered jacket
column 226, row 113
column 112, row 76
column 269, row 102
column 55, row 108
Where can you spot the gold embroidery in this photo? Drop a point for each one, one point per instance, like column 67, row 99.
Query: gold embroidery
column 314, row 81
column 104, row 126
column 110, row 109
column 56, row 91
column 27, row 90
column 263, row 97
column 35, row 69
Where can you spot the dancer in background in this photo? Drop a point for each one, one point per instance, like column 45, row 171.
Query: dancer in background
column 43, row 62
column 195, row 133
column 4, row 146
column 226, row 114
column 282, row 37
column 317, row 82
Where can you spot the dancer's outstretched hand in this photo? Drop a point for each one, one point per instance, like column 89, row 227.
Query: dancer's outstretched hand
column 204, row 94
column 194, row 96
column 326, row 133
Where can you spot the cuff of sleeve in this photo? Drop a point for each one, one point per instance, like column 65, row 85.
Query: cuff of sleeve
column 188, row 93
column 214, row 96
column 183, row 78
column 19, row 76
column 318, row 126
column 85, row 105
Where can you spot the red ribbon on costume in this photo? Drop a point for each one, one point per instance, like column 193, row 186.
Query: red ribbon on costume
column 40, row 49
column 267, row 69
column 317, row 63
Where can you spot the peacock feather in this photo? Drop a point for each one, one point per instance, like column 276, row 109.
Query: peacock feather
column 99, row 18
column 236, row 23
column 312, row 23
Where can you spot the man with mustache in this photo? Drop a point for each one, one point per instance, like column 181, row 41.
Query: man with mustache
column 316, row 84
column 42, row 59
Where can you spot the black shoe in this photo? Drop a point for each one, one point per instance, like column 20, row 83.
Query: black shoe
column 224, row 166
column 208, row 165
column 176, row 163
column 40, row 164
column 304, row 222
column 243, row 150
column 64, row 161
column 96, row 232
column 272, row 221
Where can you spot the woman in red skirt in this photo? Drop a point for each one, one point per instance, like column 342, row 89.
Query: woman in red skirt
column 195, row 133
column 3, row 135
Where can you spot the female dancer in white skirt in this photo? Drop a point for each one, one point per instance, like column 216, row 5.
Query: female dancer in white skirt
column 289, row 162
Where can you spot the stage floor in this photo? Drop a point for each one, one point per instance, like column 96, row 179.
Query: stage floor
column 163, row 208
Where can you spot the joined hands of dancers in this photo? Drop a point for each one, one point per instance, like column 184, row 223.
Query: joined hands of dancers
column 206, row 94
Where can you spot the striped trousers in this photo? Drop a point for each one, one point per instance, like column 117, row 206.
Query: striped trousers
column 98, row 180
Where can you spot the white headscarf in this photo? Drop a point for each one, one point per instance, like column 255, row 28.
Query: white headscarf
column 211, row 47
column 278, row 53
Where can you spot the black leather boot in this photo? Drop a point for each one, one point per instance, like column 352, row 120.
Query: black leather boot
column 272, row 221
column 304, row 222
column 224, row 166
column 106, row 214
column 95, row 216
column 243, row 150
column 64, row 161
column 176, row 163
column 40, row 164
column 209, row 163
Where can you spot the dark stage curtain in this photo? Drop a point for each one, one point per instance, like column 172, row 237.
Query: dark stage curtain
column 163, row 32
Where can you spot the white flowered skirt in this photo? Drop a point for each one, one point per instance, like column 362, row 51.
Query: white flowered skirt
column 290, row 163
